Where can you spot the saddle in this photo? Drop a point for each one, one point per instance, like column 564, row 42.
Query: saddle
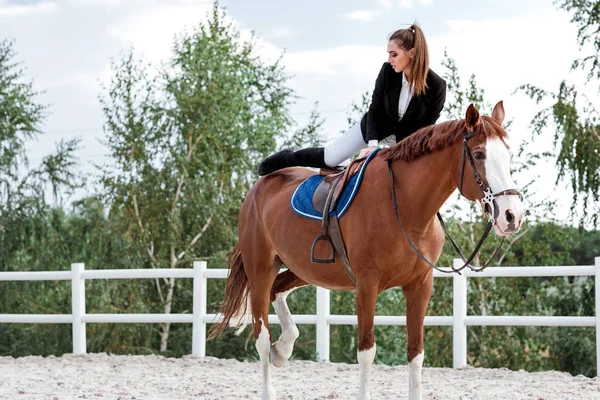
column 324, row 198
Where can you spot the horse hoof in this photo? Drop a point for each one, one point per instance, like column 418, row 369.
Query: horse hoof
column 276, row 358
column 269, row 394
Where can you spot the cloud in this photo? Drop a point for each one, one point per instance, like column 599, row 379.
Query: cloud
column 8, row 10
column 362, row 15
column 87, row 82
column 94, row 3
column 282, row 32
column 387, row 4
column 506, row 58
column 151, row 32
column 357, row 61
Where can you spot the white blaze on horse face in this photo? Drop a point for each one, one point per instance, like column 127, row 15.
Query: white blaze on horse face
column 511, row 211
column 282, row 349
column 263, row 345
column 365, row 360
column 415, row 367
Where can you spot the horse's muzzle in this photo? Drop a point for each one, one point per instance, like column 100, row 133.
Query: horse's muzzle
column 510, row 217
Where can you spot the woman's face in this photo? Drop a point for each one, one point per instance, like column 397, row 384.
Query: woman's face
column 398, row 57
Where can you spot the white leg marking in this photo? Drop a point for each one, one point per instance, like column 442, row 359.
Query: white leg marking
column 242, row 317
column 289, row 332
column 263, row 345
column 365, row 360
column 414, row 377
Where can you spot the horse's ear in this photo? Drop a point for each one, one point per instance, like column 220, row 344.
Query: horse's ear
column 498, row 113
column 472, row 118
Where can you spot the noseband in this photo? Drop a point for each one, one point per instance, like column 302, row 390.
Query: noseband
column 488, row 202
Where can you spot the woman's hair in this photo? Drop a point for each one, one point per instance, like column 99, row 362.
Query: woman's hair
column 407, row 39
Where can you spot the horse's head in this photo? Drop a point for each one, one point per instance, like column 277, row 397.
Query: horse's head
column 485, row 171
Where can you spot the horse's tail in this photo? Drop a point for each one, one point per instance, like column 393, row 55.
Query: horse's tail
column 236, row 303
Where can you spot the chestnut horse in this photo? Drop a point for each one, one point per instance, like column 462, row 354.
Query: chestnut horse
column 428, row 166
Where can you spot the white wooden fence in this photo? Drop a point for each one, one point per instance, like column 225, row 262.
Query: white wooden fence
column 323, row 319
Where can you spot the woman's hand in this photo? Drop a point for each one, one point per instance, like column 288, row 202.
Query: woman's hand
column 366, row 151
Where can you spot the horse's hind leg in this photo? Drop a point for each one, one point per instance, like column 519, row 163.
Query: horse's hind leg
column 417, row 298
column 281, row 350
column 261, row 277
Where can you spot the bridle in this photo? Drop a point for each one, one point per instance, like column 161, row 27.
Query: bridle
column 488, row 201
column 489, row 206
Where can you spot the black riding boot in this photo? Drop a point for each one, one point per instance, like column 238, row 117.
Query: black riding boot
column 311, row 157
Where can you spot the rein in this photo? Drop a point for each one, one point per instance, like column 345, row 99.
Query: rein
column 489, row 208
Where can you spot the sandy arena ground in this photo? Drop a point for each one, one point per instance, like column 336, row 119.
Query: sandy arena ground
column 100, row 376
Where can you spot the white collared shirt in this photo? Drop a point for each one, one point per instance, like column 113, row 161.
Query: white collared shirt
column 405, row 97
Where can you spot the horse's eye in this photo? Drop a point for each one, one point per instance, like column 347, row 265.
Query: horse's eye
column 479, row 155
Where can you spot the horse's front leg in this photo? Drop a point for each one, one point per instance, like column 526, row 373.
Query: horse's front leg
column 366, row 297
column 417, row 298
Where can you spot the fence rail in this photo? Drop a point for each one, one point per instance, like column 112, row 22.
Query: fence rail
column 322, row 319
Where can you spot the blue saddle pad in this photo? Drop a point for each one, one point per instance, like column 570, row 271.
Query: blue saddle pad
column 301, row 200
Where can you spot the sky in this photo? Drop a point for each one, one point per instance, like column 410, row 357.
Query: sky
column 332, row 49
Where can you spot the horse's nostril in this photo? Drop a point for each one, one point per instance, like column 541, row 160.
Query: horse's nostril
column 510, row 217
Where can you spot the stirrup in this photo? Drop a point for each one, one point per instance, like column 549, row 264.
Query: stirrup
column 314, row 259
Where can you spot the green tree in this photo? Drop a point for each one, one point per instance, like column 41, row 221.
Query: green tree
column 574, row 118
column 26, row 212
column 586, row 15
column 23, row 201
column 185, row 144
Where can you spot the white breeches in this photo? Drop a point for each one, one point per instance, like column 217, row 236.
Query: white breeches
column 348, row 144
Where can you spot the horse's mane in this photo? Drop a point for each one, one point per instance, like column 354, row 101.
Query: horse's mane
column 437, row 137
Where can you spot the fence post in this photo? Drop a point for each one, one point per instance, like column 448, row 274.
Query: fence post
column 459, row 332
column 78, row 308
column 597, row 294
column 199, row 305
column 323, row 311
